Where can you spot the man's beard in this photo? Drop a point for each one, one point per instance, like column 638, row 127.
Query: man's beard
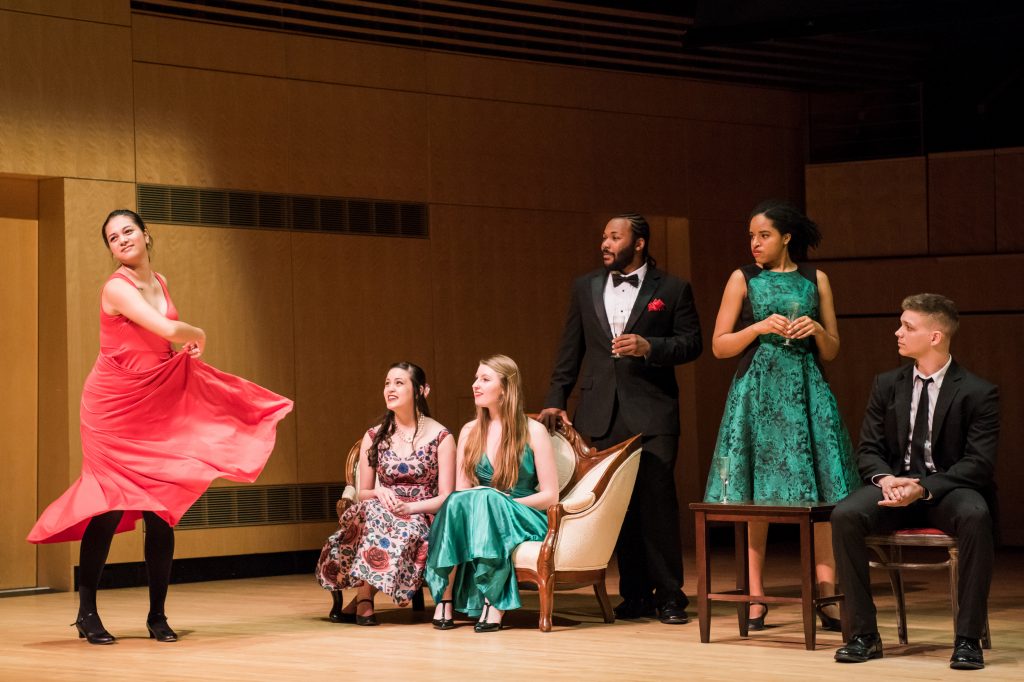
column 621, row 261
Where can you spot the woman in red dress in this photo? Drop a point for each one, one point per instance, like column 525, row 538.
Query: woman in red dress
column 157, row 427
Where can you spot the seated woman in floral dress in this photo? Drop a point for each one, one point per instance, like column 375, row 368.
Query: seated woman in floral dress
column 406, row 470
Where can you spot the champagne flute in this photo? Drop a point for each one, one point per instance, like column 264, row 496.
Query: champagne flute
column 792, row 312
column 618, row 326
column 723, row 474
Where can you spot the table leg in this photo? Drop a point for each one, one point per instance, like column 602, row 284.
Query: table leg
column 740, row 533
column 703, row 577
column 808, row 583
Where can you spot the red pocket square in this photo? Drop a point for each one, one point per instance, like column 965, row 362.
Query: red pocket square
column 656, row 304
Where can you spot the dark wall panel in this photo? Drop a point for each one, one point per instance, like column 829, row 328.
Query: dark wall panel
column 961, row 203
column 1009, row 189
column 986, row 283
column 871, row 208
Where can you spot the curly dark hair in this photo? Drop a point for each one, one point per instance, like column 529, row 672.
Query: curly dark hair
column 788, row 219
column 387, row 421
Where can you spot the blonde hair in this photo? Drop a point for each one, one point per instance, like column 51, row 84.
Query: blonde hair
column 514, row 428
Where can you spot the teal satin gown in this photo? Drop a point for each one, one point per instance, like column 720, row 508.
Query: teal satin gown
column 476, row 531
column 782, row 438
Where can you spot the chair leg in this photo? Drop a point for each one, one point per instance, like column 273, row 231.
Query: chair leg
column 896, row 578
column 886, row 559
column 602, row 599
column 954, row 583
column 417, row 600
column 986, row 641
column 546, row 588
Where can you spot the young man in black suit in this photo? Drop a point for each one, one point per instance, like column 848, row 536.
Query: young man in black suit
column 927, row 456
column 628, row 386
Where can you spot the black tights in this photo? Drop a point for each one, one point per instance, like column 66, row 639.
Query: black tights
column 159, row 551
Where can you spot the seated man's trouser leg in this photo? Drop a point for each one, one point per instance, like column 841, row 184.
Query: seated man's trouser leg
column 962, row 513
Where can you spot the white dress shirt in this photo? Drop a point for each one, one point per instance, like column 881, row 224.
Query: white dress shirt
column 619, row 300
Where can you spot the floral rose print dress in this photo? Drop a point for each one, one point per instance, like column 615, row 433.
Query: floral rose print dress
column 373, row 545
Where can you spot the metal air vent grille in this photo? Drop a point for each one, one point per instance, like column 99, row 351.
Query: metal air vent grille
column 260, row 505
column 263, row 210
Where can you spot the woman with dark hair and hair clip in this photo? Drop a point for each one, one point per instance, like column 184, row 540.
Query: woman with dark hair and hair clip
column 406, row 471
column 506, row 480
column 781, row 438
column 157, row 427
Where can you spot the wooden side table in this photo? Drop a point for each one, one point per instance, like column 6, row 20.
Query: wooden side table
column 804, row 515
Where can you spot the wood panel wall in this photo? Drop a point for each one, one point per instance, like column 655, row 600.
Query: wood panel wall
column 19, row 306
column 55, row 447
column 944, row 223
column 521, row 164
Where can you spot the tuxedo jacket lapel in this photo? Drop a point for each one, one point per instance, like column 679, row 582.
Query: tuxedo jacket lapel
column 904, row 387
column 950, row 387
column 597, row 292
column 647, row 289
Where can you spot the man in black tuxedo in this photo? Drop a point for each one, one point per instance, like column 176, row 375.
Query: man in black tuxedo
column 629, row 325
column 927, row 456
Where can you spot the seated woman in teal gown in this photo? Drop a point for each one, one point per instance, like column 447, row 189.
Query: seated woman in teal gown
column 782, row 438
column 505, row 481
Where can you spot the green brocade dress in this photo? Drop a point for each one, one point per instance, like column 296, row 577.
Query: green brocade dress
column 476, row 530
column 782, row 438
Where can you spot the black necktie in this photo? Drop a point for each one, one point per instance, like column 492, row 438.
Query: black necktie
column 921, row 433
column 618, row 279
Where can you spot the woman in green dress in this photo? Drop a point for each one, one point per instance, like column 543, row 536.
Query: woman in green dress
column 505, row 481
column 782, row 438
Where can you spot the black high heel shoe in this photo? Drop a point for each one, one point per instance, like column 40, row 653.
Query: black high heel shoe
column 482, row 625
column 757, row 624
column 90, row 628
column 443, row 623
column 366, row 620
column 337, row 615
column 159, row 629
column 828, row 622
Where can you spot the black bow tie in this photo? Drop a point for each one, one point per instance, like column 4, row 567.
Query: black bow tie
column 618, row 279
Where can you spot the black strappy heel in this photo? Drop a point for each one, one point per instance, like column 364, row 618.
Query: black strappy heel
column 756, row 624
column 159, row 629
column 90, row 628
column 828, row 622
column 366, row 620
column 443, row 623
column 337, row 615
column 482, row 625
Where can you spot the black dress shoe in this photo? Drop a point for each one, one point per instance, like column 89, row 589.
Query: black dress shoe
column 90, row 628
column 860, row 648
column 757, row 624
column 631, row 609
column 673, row 613
column 966, row 654
column 443, row 623
column 159, row 629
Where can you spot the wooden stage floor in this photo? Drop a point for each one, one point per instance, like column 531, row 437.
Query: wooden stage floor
column 276, row 629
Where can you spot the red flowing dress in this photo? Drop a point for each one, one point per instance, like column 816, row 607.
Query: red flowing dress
column 157, row 427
